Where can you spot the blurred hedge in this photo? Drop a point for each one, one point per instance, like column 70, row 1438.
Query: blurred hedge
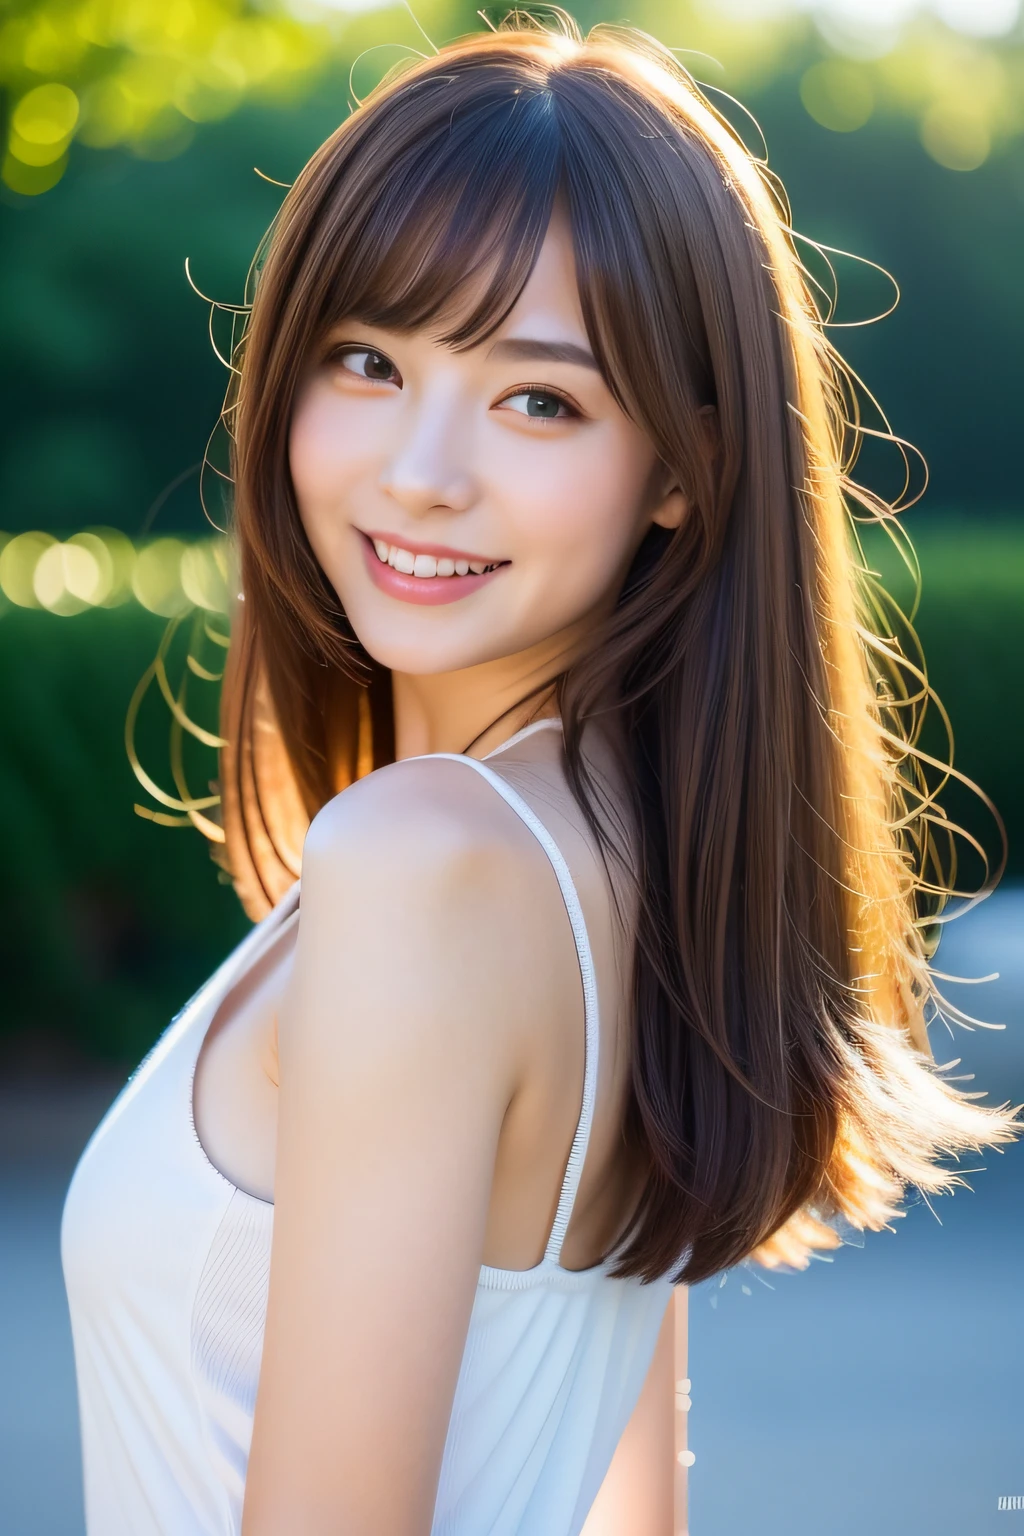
column 971, row 626
column 108, row 922
column 110, row 386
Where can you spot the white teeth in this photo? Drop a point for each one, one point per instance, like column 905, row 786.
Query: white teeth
column 427, row 566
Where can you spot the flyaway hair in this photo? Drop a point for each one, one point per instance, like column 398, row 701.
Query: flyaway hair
column 779, row 831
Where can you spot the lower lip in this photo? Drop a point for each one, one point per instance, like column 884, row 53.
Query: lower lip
column 428, row 590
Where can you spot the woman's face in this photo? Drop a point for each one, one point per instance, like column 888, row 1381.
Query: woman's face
column 472, row 505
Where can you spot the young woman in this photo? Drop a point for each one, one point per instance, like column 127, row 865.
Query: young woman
column 551, row 660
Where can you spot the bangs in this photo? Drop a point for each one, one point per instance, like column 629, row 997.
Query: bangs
column 452, row 223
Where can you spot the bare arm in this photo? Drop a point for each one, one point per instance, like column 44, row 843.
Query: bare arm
column 400, row 1049
column 644, row 1491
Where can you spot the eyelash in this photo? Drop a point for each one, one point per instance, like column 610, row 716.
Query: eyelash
column 545, row 390
column 353, row 349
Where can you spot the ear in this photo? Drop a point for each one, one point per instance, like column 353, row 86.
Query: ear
column 672, row 507
column 674, row 504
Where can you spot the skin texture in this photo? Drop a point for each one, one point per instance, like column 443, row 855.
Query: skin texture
column 429, row 1040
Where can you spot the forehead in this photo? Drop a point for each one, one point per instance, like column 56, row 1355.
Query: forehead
column 547, row 307
column 550, row 298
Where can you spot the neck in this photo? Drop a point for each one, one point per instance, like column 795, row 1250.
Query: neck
column 480, row 707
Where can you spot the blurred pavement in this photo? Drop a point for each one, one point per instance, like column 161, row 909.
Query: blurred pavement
column 880, row 1392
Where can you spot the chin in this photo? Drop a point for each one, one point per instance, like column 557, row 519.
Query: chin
column 431, row 641
column 427, row 653
column 413, row 662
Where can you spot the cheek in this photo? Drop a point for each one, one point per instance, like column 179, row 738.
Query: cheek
column 309, row 450
column 583, row 510
column 314, row 450
column 324, row 476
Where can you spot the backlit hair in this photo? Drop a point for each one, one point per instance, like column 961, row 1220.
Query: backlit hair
column 781, row 1074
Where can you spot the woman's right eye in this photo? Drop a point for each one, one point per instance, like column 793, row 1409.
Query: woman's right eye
column 366, row 364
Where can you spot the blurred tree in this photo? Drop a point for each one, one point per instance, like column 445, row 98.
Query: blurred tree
column 143, row 73
column 111, row 389
column 138, row 73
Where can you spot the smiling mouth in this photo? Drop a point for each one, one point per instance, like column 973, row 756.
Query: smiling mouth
column 428, row 565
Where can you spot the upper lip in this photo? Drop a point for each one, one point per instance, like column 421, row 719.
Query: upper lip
column 439, row 551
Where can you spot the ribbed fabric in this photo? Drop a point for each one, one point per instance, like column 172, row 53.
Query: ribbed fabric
column 166, row 1265
column 227, row 1337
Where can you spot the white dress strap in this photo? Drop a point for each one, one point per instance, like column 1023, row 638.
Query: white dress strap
column 574, row 1168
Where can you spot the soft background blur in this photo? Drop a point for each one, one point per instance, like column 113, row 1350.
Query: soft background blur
column 880, row 1389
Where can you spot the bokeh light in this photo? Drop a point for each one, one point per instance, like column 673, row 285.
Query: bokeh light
column 42, row 124
column 145, row 74
column 65, row 577
column 956, row 134
column 156, row 578
column 204, row 575
column 120, row 551
column 139, row 73
column 101, row 568
column 18, row 560
column 838, row 94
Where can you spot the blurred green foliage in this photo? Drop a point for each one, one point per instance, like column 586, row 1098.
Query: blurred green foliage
column 137, row 73
column 111, row 389
column 144, row 73
column 971, row 628
column 107, row 922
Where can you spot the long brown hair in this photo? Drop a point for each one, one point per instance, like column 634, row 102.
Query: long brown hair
column 785, row 870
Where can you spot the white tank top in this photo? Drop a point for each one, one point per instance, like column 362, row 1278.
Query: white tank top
column 166, row 1266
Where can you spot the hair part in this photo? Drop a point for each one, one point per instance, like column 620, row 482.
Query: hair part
column 782, row 1074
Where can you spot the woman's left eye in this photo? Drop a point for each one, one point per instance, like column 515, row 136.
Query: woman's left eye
column 367, row 364
column 540, row 404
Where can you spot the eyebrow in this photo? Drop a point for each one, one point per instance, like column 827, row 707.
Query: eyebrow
column 522, row 349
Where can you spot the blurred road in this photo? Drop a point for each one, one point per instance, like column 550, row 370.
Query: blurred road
column 42, row 1131
column 879, row 1392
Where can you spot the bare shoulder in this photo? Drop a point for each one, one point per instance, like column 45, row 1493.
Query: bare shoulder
column 430, row 821
column 423, row 875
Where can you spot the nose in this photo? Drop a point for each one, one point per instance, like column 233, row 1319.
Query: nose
column 428, row 467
